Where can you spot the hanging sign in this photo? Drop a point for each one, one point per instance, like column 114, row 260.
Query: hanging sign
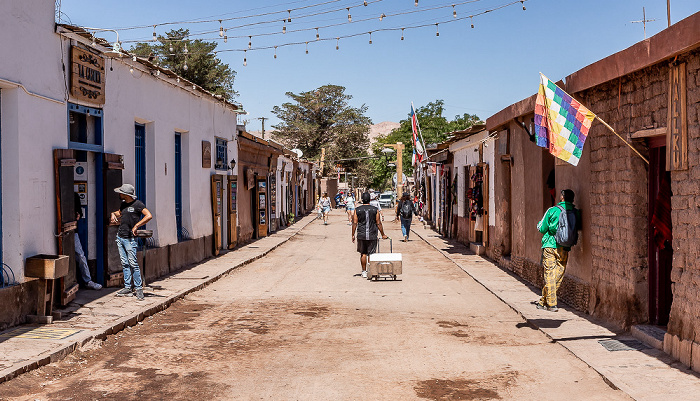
column 87, row 76
column 677, row 136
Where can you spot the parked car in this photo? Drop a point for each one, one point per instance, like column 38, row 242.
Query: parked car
column 386, row 200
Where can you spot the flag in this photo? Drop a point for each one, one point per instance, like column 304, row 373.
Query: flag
column 561, row 123
column 417, row 148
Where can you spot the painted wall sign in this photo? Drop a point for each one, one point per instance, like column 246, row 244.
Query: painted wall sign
column 87, row 76
column 677, row 136
column 206, row 154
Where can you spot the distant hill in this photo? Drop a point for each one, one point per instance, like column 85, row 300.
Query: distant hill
column 382, row 128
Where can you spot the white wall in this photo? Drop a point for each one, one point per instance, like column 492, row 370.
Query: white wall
column 33, row 122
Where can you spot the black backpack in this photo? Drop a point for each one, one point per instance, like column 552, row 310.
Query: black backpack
column 566, row 234
column 406, row 209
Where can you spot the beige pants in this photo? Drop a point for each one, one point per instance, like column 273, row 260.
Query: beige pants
column 554, row 263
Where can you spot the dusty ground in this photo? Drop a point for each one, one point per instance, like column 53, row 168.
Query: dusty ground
column 301, row 324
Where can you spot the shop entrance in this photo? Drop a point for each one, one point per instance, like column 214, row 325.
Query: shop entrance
column 660, row 234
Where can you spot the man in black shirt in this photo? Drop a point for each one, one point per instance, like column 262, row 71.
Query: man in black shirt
column 130, row 213
column 366, row 222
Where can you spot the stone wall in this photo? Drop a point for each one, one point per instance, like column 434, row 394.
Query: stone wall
column 685, row 310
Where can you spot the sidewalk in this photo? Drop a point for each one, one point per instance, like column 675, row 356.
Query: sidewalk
column 97, row 314
column 648, row 374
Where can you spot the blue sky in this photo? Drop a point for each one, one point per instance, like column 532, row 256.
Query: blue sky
column 477, row 71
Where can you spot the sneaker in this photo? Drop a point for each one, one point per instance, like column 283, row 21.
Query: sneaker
column 124, row 292
column 553, row 309
column 93, row 285
column 364, row 274
column 139, row 294
column 540, row 306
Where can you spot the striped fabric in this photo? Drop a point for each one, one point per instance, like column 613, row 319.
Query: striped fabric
column 561, row 123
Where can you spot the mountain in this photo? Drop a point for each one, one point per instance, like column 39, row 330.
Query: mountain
column 382, row 128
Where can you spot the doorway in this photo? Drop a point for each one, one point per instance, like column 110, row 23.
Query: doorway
column 660, row 234
column 178, row 188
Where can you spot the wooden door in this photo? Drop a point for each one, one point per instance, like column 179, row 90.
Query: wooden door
column 232, row 212
column 217, row 182
column 262, row 209
column 112, row 168
column 66, row 222
column 485, row 192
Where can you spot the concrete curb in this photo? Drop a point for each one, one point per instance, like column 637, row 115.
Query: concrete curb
column 101, row 334
column 606, row 379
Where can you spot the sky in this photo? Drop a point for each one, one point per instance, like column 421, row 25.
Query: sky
column 478, row 70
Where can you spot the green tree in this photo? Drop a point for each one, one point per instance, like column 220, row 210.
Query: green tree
column 198, row 63
column 434, row 127
column 323, row 118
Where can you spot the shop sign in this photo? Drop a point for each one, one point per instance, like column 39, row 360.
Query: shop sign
column 206, row 154
column 677, row 137
column 87, row 76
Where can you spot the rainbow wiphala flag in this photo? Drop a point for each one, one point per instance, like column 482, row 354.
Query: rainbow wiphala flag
column 561, row 123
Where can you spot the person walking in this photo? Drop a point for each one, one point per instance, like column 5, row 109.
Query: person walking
column 366, row 222
column 350, row 206
column 374, row 201
column 129, row 219
column 560, row 233
column 80, row 252
column 324, row 205
column 404, row 212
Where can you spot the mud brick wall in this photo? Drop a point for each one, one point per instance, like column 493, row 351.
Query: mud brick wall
column 685, row 204
column 618, row 188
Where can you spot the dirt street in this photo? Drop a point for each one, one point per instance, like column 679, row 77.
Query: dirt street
column 301, row 324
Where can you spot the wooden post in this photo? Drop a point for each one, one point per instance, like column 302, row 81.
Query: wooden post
column 323, row 158
column 399, row 169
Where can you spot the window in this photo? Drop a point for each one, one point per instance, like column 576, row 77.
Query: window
column 140, row 159
column 221, row 154
column 84, row 127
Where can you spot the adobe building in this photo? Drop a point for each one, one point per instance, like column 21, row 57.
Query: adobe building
column 626, row 268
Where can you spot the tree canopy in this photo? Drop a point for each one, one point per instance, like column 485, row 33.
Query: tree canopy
column 434, row 127
column 323, row 118
column 193, row 60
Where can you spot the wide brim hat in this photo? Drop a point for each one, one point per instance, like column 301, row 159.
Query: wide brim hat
column 126, row 189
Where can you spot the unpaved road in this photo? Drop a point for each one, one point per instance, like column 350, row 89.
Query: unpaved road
column 300, row 324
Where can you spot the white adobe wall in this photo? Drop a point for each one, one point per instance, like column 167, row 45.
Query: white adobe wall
column 33, row 122
column 167, row 107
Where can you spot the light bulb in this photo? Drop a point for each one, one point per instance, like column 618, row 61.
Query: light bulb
column 94, row 42
column 155, row 37
column 186, row 51
column 317, row 37
column 194, row 87
column 284, row 26
column 171, row 47
column 133, row 58
column 337, row 43
column 402, row 33
column 437, row 30
column 275, row 51
column 370, row 38
column 365, row 4
column 131, row 70
column 416, row 3
column 523, row 3
column 289, row 18
column 454, row 12
column 178, row 79
column 307, row 47
column 225, row 38
column 250, row 42
column 157, row 73
column 472, row 21
column 349, row 16
column 185, row 66
column 381, row 17
column 245, row 59
column 221, row 29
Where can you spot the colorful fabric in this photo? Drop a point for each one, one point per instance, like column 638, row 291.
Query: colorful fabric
column 554, row 262
column 417, row 148
column 561, row 123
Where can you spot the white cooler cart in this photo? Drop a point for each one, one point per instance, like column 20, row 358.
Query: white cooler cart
column 386, row 265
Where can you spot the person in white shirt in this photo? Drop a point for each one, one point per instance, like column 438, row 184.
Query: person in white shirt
column 375, row 202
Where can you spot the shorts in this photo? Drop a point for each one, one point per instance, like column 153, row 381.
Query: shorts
column 367, row 246
column 350, row 207
column 326, row 209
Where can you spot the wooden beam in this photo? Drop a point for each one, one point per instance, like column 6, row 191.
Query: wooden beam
column 646, row 133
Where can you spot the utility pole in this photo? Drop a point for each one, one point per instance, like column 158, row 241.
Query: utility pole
column 263, row 125
column 668, row 11
column 398, row 147
column 323, row 158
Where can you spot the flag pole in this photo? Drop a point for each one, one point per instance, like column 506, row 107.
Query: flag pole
column 623, row 139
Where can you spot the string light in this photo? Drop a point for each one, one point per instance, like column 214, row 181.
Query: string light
column 171, row 47
column 184, row 67
column 275, row 51
column 317, row 36
column 94, row 41
column 194, row 87
column 472, row 21
column 349, row 16
column 370, row 38
column 225, row 38
column 133, row 58
column 402, row 33
column 307, row 47
column 437, row 30
column 416, row 4
column 245, row 59
column 131, row 70
column 523, row 3
column 289, row 19
column 381, row 17
column 185, row 50
column 365, row 4
column 178, row 79
column 284, row 26
column 221, row 29
column 250, row 42
column 454, row 12
column 155, row 37
column 337, row 43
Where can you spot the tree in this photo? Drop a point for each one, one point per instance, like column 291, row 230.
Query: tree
column 323, row 118
column 434, row 127
column 198, row 63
